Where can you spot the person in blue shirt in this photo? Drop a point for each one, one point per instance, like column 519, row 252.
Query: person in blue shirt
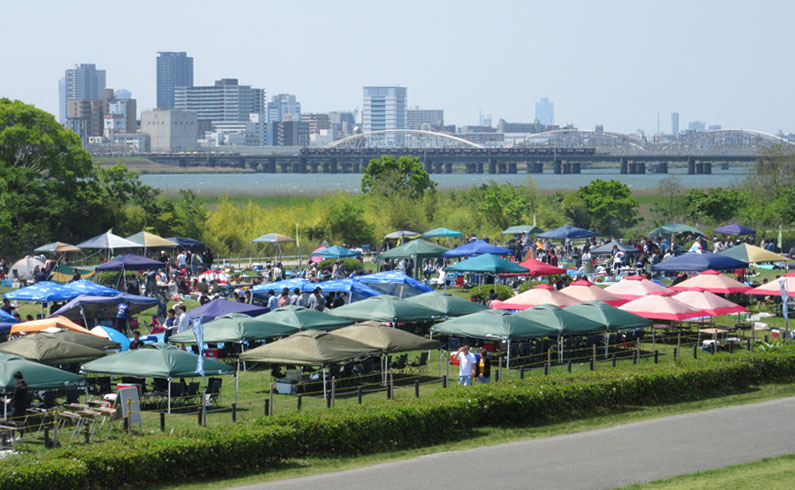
column 121, row 316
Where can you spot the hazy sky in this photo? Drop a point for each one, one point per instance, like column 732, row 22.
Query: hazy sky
column 614, row 63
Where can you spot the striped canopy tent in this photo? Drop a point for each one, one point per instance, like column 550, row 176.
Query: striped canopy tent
column 57, row 247
column 751, row 253
column 659, row 307
column 711, row 304
column 634, row 287
column 773, row 288
column 543, row 294
column 712, row 281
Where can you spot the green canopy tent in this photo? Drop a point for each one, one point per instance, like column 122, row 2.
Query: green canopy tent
column 519, row 229
column 610, row 317
column 156, row 361
column 234, row 327
column 101, row 343
column 487, row 264
column 385, row 308
column 561, row 319
column 418, row 250
column 300, row 318
column 50, row 350
column 37, row 376
column 674, row 229
column 495, row 325
column 447, row 304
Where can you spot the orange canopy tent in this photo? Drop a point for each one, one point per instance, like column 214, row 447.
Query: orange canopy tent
column 54, row 322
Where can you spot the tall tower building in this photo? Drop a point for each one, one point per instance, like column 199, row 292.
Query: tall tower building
column 545, row 112
column 283, row 107
column 83, row 81
column 674, row 123
column 384, row 108
column 174, row 69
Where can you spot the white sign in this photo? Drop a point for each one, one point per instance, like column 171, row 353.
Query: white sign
column 132, row 409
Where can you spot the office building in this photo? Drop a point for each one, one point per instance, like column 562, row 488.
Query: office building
column 504, row 126
column 342, row 123
column 284, row 107
column 85, row 117
column 226, row 101
column 83, row 81
column 384, row 108
column 174, row 69
column 674, row 123
column 426, row 119
column 545, row 112
column 696, row 126
column 170, row 130
column 317, row 122
column 288, row 133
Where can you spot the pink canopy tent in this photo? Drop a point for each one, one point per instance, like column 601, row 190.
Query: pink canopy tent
column 539, row 295
column 316, row 259
column 583, row 290
column 709, row 303
column 660, row 307
column 712, row 281
column 773, row 288
column 634, row 287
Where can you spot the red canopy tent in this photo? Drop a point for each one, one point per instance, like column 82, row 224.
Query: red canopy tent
column 537, row 269
column 634, row 287
column 539, row 295
column 583, row 290
column 710, row 304
column 712, row 281
column 659, row 307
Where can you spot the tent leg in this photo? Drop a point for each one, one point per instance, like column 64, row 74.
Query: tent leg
column 508, row 363
column 607, row 343
column 169, row 394
column 324, row 383
column 237, row 381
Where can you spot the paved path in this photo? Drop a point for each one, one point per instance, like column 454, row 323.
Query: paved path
column 603, row 458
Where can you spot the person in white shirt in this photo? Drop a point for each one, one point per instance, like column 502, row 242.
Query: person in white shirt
column 273, row 300
column 466, row 365
column 183, row 323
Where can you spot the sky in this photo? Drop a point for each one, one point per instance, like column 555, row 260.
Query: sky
column 614, row 63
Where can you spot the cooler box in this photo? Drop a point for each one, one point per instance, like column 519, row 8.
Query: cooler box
column 213, row 353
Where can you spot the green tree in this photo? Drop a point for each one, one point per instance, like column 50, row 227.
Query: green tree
column 390, row 175
column 347, row 223
column 610, row 206
column 503, row 205
column 671, row 200
column 716, row 204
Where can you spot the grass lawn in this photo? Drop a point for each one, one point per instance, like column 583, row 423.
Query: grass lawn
column 769, row 473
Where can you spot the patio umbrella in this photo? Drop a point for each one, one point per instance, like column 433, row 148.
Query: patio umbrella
column 335, row 252
column 441, row 233
column 699, row 262
column 37, row 376
column 560, row 319
column 711, row 304
column 477, row 247
column 388, row 340
column 634, row 287
column 145, row 240
column 773, row 288
column 538, row 295
column 519, row 229
column 108, row 241
column 607, row 248
column 220, row 306
column 52, row 322
column 273, row 238
column 751, row 253
column 188, row 244
column 43, row 292
column 57, row 247
column 447, row 304
column 403, row 234
column 300, row 318
column 567, row 231
column 610, row 317
column 84, row 286
column 712, row 281
column 735, row 229
column 50, row 350
column 234, row 327
column 385, row 308
column 659, row 307
column 583, row 290
column 395, row 283
column 488, row 264
column 674, row 229
column 308, row 348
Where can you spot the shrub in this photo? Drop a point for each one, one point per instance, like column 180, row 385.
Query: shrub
column 351, row 265
column 503, row 292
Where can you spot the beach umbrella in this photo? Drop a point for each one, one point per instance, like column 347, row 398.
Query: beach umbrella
column 112, row 335
column 751, row 253
column 699, row 262
column 583, row 290
column 538, row 268
column 87, row 306
column 673, row 229
column 773, row 288
column 446, row 304
column 487, row 264
column 335, row 252
column 215, row 275
column 610, row 317
column 607, row 248
column 300, row 318
column 86, row 287
column 712, row 281
column 57, row 247
column 659, row 307
column 494, row 325
column 108, row 241
column 477, row 247
column 220, row 306
column 388, row 340
column 145, row 240
column 711, row 304
column 567, row 231
column 52, row 322
column 395, row 283
column 634, row 287
column 441, row 233
column 308, row 348
column 385, row 308
column 519, row 229
column 538, row 295
column 735, row 229
column 560, row 319
column 234, row 327
column 188, row 244
column 273, row 239
column 43, row 292
column 403, row 234
column 50, row 350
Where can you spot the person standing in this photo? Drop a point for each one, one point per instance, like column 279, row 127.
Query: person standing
column 19, row 403
column 183, row 323
column 466, row 365
column 121, row 316
column 484, row 368
column 317, row 301
column 170, row 325
column 273, row 300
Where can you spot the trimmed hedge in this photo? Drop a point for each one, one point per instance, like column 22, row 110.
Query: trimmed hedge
column 229, row 450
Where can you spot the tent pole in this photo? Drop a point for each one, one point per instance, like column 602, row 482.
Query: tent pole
column 169, row 394
column 324, row 383
column 237, row 380
column 607, row 343
column 508, row 363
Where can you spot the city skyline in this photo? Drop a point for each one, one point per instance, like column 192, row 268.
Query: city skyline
column 615, row 65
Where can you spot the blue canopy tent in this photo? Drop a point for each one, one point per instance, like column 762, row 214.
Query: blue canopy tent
column 6, row 317
column 441, row 233
column 43, row 292
column 335, row 252
column 699, row 262
column 84, row 307
column 188, row 244
column 735, row 229
column 355, row 289
column 84, row 286
column 129, row 262
column 114, row 335
column 477, row 248
column 261, row 290
column 567, row 231
column 220, row 306
column 394, row 283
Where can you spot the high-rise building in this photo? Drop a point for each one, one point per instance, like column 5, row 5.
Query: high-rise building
column 545, row 112
column 342, row 123
column 317, row 122
column 674, row 123
column 226, row 101
column 384, row 108
column 284, row 107
column 170, row 130
column 174, row 69
column 417, row 118
column 696, row 126
column 85, row 117
column 81, row 82
column 289, row 133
